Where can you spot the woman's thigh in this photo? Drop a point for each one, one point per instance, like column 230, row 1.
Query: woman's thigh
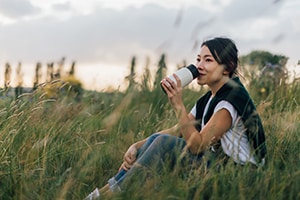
column 163, row 147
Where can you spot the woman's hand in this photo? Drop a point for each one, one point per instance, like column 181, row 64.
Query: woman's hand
column 129, row 158
column 174, row 92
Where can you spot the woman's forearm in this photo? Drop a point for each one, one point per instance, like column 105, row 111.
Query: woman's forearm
column 175, row 130
column 186, row 125
column 188, row 131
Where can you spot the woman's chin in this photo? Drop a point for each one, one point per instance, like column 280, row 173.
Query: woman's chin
column 200, row 82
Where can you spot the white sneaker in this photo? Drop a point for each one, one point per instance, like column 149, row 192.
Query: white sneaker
column 93, row 195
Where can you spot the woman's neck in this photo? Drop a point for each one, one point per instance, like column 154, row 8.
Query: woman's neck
column 216, row 86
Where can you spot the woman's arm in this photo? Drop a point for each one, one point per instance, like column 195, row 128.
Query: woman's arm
column 219, row 123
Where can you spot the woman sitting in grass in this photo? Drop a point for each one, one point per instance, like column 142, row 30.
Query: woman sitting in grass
column 223, row 124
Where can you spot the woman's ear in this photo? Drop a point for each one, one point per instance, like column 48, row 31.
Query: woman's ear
column 225, row 72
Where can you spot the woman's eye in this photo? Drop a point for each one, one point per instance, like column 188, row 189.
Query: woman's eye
column 208, row 60
column 198, row 59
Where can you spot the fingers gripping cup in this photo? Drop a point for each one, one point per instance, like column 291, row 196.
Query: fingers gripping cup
column 186, row 75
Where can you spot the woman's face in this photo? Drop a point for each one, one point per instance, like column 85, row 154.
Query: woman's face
column 211, row 72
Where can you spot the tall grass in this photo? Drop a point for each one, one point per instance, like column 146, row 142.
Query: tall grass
column 62, row 149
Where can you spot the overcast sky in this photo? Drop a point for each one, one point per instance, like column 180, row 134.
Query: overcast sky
column 103, row 35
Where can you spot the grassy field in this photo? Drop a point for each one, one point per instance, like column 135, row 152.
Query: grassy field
column 63, row 149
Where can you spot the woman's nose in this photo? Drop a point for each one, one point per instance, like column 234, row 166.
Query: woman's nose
column 199, row 66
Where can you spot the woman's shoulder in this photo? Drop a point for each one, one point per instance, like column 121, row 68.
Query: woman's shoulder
column 223, row 104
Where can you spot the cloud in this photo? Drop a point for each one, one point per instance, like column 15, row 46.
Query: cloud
column 240, row 10
column 62, row 6
column 109, row 35
column 17, row 8
column 104, row 35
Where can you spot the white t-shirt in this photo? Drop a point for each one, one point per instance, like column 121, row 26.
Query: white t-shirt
column 234, row 142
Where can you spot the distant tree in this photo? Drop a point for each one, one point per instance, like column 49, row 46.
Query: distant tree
column 261, row 58
column 7, row 76
column 146, row 78
column 59, row 71
column 159, row 99
column 50, row 72
column 37, row 76
column 19, row 85
column 72, row 70
column 161, row 71
column 132, row 74
column 266, row 71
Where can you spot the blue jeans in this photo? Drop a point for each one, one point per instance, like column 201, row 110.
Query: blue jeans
column 156, row 152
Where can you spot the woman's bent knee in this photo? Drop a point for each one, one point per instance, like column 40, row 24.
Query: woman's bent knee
column 168, row 141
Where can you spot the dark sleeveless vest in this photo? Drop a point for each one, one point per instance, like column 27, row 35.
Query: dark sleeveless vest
column 235, row 93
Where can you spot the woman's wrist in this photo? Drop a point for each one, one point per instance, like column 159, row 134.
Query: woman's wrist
column 133, row 147
column 180, row 110
column 138, row 144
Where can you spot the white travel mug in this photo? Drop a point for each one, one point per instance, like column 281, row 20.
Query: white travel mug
column 186, row 75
